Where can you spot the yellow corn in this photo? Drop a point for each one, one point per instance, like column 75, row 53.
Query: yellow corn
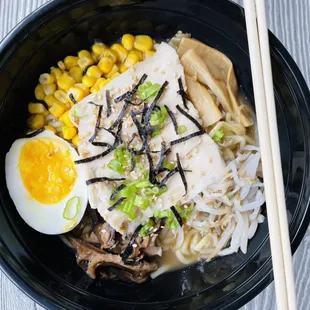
column 88, row 81
column 143, row 43
column 98, row 48
column 131, row 60
column 105, row 64
column 36, row 108
column 122, row 68
column 120, row 51
column 114, row 70
column 138, row 53
column 94, row 72
column 96, row 57
column 61, row 65
column 36, row 121
column 66, row 119
column 56, row 72
column 61, row 96
column 76, row 140
column 65, row 81
column 110, row 54
column 50, row 128
column 39, row 92
column 77, row 93
column 83, row 87
column 148, row 54
column 84, row 53
column 100, row 83
column 103, row 83
column 49, row 89
column 46, row 78
column 85, row 62
column 70, row 62
column 116, row 74
column 68, row 132
column 77, row 73
column 57, row 109
column 50, row 100
column 128, row 41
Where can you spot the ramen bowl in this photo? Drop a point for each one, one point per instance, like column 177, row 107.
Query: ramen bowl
column 44, row 267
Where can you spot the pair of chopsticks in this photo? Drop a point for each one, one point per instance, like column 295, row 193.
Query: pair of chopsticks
column 257, row 32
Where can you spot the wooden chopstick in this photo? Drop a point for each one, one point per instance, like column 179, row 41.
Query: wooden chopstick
column 268, row 136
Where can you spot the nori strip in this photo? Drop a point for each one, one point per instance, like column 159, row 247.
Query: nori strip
column 101, row 144
column 97, row 127
column 177, row 215
column 108, row 101
column 132, row 160
column 128, row 250
column 116, row 191
column 103, row 179
column 181, row 171
column 134, row 104
column 93, row 103
column 167, row 177
column 72, row 98
column 173, row 119
column 163, row 155
column 130, row 94
column 34, row 133
column 190, row 136
column 190, row 118
column 120, row 117
column 116, row 204
column 132, row 138
column 182, row 93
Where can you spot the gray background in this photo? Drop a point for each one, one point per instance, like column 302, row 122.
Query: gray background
column 290, row 22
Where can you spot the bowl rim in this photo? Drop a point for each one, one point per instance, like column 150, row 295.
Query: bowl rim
column 45, row 9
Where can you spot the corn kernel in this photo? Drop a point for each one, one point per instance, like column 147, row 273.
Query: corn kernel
column 39, row 93
column 83, row 87
column 101, row 82
column 98, row 48
column 50, row 100
column 68, row 132
column 66, row 119
column 85, row 62
column 94, row 72
column 143, row 43
column 77, row 73
column 61, row 96
column 138, row 53
column 50, row 128
column 37, row 121
column 122, row 68
column 148, row 54
column 128, row 41
column 88, row 81
column 70, row 62
column 114, row 69
column 56, row 72
column 46, row 78
column 57, row 109
column 49, row 89
column 77, row 93
column 65, row 81
column 76, row 140
column 116, row 74
column 96, row 57
column 120, row 51
column 36, row 108
column 84, row 53
column 105, row 64
column 110, row 54
column 61, row 65
column 131, row 60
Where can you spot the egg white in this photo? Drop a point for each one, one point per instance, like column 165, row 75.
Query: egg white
column 45, row 218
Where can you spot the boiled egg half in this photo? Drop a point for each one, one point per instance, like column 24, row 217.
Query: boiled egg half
column 46, row 186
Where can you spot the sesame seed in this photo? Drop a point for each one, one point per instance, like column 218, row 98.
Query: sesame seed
column 134, row 245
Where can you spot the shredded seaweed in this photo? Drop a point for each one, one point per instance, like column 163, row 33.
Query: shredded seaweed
column 34, row 133
column 163, row 155
column 173, row 119
column 177, row 215
column 104, row 144
column 130, row 94
column 103, row 179
column 97, row 127
column 132, row 138
column 129, row 249
column 167, row 177
column 134, row 104
column 93, row 103
column 132, row 160
column 116, row 191
column 108, row 101
column 182, row 174
column 72, row 98
column 182, row 93
column 120, row 116
column 116, row 204
column 188, row 137
column 190, row 118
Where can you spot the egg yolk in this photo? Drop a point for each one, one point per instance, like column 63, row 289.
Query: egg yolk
column 47, row 169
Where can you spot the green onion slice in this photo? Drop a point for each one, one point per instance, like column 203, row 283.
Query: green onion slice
column 72, row 208
column 148, row 90
column 116, row 166
column 218, row 136
column 181, row 129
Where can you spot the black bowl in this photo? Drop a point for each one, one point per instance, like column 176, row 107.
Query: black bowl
column 43, row 266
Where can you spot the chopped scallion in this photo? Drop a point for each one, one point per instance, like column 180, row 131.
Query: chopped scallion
column 148, row 90
column 146, row 228
column 158, row 116
column 116, row 166
column 218, row 136
column 181, row 129
column 72, row 208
